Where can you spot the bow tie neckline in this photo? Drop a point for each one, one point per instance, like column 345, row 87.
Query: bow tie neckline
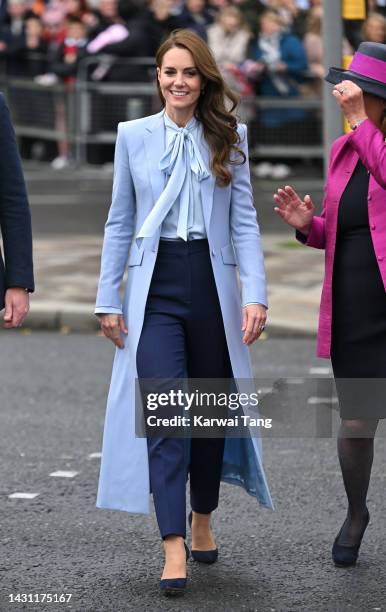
column 181, row 159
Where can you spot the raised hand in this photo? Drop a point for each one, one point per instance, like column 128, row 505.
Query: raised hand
column 349, row 97
column 296, row 212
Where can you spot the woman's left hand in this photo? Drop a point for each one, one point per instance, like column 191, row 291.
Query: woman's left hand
column 350, row 99
column 254, row 318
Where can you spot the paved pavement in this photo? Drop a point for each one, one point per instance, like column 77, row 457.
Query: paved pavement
column 59, row 542
column 69, row 210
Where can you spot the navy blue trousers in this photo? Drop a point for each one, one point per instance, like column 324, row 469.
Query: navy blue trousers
column 183, row 337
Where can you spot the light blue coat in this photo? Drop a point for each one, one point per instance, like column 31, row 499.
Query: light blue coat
column 233, row 235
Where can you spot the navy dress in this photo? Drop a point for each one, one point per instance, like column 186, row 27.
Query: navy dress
column 358, row 352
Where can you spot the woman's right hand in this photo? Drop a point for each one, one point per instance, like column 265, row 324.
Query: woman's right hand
column 113, row 326
column 296, row 212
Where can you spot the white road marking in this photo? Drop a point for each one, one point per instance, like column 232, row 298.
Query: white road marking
column 95, row 455
column 64, row 474
column 23, row 495
column 295, row 381
column 264, row 390
column 322, row 400
column 320, row 371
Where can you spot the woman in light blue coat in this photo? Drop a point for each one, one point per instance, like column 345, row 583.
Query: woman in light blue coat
column 182, row 221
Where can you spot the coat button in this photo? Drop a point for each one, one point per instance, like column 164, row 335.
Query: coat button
column 369, row 198
column 213, row 252
column 380, row 258
column 373, row 227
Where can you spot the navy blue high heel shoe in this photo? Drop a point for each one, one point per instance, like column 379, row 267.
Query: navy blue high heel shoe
column 174, row 586
column 346, row 556
column 203, row 556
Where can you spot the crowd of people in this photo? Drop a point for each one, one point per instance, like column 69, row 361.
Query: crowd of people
column 263, row 47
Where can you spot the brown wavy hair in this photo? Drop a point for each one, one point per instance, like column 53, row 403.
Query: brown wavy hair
column 219, row 123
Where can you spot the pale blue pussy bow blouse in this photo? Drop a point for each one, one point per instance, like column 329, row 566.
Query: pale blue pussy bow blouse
column 178, row 210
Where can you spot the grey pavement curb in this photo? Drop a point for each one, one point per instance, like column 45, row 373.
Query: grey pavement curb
column 75, row 320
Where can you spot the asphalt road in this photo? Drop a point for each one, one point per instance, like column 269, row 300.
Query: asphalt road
column 52, row 411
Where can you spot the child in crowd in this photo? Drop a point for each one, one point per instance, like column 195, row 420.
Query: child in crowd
column 65, row 65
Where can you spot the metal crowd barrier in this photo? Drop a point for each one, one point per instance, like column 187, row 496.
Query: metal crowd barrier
column 285, row 128
column 86, row 114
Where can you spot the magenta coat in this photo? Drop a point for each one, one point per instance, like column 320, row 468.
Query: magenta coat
column 367, row 143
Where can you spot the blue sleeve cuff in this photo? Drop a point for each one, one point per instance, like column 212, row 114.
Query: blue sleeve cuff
column 108, row 310
column 257, row 303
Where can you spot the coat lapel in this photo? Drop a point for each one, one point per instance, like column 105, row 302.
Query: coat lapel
column 208, row 184
column 154, row 141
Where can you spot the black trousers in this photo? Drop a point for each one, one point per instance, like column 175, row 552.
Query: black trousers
column 183, row 337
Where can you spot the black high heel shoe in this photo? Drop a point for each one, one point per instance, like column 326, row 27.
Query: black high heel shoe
column 346, row 556
column 203, row 556
column 171, row 587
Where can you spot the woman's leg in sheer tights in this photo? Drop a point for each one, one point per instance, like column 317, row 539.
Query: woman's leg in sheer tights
column 355, row 451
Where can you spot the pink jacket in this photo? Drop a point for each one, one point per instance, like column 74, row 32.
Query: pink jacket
column 367, row 143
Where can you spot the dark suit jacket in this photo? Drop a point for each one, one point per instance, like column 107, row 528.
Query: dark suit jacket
column 16, row 270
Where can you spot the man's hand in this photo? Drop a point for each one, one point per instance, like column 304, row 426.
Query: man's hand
column 16, row 307
column 254, row 318
column 113, row 326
